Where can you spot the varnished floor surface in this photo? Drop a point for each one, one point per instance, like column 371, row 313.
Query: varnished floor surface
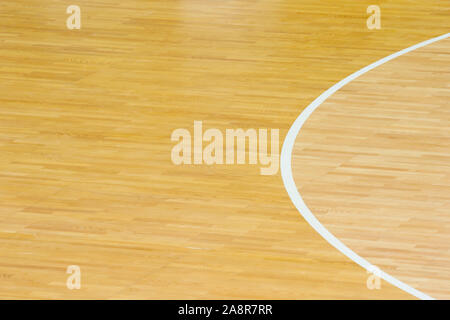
column 373, row 164
column 85, row 123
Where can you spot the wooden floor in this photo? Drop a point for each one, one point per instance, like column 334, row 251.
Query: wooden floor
column 372, row 164
column 85, row 123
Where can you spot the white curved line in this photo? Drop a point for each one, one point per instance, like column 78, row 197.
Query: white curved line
column 291, row 188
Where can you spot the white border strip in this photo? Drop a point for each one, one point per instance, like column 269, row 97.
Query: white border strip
column 291, row 188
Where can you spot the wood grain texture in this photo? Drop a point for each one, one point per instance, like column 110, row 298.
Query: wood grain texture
column 85, row 122
column 372, row 163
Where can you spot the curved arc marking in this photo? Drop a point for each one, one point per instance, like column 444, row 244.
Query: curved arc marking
column 296, row 198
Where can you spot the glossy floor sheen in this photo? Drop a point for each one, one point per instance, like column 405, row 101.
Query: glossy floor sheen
column 372, row 164
column 85, row 123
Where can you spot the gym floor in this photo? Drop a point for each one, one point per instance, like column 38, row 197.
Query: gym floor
column 86, row 176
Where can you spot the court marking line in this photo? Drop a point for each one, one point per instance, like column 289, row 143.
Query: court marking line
column 296, row 198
